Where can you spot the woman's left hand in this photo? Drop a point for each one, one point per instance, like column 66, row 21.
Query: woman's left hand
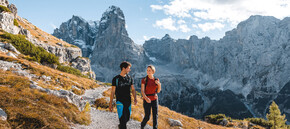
column 157, row 81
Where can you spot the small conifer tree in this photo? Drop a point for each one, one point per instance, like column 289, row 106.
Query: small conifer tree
column 275, row 117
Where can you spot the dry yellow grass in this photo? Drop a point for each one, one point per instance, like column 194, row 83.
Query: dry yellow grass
column 41, row 35
column 30, row 108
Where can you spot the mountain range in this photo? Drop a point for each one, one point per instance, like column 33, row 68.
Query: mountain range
column 238, row 75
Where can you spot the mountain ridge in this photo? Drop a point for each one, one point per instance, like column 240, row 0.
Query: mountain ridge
column 242, row 62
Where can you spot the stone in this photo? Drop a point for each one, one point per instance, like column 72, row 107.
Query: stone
column 174, row 123
column 3, row 115
column 11, row 54
column 25, row 32
column 10, row 47
column 224, row 122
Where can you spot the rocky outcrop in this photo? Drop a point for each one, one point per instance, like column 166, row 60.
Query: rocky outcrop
column 4, row 3
column 71, row 55
column 68, row 95
column 7, row 23
column 13, row 9
column 83, row 64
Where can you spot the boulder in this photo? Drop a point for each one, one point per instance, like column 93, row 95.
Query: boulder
column 173, row 122
column 10, row 47
column 224, row 122
column 3, row 115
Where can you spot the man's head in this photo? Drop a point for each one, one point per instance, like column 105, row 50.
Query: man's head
column 125, row 66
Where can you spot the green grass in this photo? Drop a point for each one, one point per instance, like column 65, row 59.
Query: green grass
column 71, row 70
column 36, row 53
column 15, row 22
column 4, row 9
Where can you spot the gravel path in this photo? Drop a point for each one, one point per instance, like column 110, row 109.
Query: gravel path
column 102, row 119
column 93, row 94
column 107, row 120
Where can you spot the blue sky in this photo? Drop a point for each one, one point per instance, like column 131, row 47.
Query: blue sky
column 155, row 18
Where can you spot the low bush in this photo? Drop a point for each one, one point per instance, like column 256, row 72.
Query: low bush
column 36, row 53
column 4, row 9
column 216, row 118
column 70, row 70
column 260, row 121
column 15, row 22
column 101, row 102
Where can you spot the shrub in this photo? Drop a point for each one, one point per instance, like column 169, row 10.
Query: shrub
column 101, row 102
column 108, row 84
column 216, row 119
column 70, row 70
column 4, row 9
column 87, row 107
column 260, row 121
column 36, row 53
column 15, row 22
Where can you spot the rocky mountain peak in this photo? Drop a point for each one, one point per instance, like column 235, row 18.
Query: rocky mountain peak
column 257, row 23
column 79, row 32
column 113, row 20
column 77, row 18
column 166, row 36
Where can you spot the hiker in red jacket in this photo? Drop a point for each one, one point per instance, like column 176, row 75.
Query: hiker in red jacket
column 150, row 86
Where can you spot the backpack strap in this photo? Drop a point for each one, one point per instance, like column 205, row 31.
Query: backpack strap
column 117, row 79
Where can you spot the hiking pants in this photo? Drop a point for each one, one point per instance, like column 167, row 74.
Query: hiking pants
column 147, row 110
column 124, row 112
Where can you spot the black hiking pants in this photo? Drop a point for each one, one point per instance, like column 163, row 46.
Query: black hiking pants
column 147, row 110
column 124, row 112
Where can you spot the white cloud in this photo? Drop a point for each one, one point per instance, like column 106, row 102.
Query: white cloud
column 181, row 22
column 147, row 38
column 184, row 28
column 210, row 26
column 156, row 7
column 194, row 26
column 167, row 23
column 232, row 11
column 170, row 24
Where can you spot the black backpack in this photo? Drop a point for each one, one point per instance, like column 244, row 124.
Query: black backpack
column 146, row 80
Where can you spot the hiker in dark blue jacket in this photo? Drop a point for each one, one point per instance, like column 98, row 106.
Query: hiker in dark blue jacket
column 121, row 86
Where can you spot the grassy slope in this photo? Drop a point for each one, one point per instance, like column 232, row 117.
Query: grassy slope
column 30, row 108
